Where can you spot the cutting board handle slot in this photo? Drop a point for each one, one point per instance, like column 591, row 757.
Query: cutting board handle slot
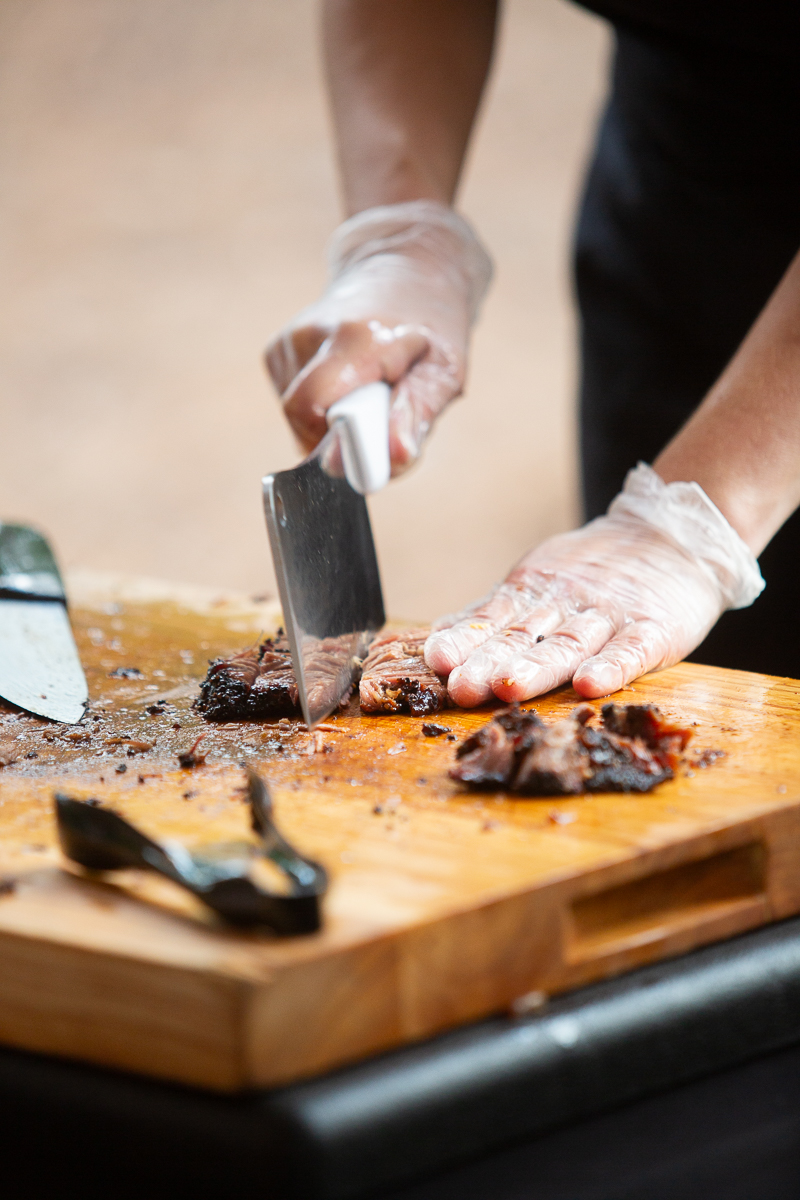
column 656, row 906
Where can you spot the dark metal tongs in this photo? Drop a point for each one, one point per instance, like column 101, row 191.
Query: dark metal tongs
column 99, row 839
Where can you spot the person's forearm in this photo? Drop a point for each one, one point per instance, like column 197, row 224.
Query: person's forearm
column 742, row 445
column 405, row 79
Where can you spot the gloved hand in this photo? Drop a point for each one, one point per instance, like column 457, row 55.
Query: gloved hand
column 631, row 592
column 406, row 281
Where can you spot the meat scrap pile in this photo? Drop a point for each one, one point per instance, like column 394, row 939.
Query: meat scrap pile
column 260, row 685
column 395, row 677
column 635, row 749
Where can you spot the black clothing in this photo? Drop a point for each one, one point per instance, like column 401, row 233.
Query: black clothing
column 765, row 26
column 690, row 217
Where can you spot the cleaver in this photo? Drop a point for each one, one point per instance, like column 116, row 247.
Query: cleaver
column 323, row 552
column 39, row 666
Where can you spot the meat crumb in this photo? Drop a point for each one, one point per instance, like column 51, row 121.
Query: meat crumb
column 432, row 730
column 8, row 754
column 389, row 806
column 706, row 758
column 133, row 744
column 190, row 758
column 317, row 745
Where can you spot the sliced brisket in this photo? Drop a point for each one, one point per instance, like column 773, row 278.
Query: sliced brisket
column 329, row 664
column 259, row 684
column 395, row 678
column 253, row 685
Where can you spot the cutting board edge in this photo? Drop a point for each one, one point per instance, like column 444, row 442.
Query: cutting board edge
column 105, row 1010
column 316, row 1014
column 419, row 983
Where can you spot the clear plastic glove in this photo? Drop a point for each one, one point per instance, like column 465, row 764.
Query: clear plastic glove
column 631, row 592
column 406, row 282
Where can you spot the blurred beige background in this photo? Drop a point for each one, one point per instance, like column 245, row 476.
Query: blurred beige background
column 167, row 190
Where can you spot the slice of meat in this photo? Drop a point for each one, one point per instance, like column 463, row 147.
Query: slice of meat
column 635, row 749
column 396, row 679
column 329, row 664
column 253, row 685
column 259, row 684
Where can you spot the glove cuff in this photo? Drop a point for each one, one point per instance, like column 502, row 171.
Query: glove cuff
column 684, row 513
column 420, row 227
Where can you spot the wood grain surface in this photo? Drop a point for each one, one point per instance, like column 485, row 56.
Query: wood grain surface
column 444, row 905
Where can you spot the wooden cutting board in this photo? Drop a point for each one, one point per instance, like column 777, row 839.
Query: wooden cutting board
column 444, row 905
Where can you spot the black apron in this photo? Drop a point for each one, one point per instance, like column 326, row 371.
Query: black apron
column 691, row 214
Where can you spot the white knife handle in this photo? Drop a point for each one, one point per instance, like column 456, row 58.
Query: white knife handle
column 362, row 419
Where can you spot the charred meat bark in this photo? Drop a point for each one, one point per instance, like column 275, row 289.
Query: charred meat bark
column 253, row 685
column 396, row 679
column 634, row 749
column 260, row 685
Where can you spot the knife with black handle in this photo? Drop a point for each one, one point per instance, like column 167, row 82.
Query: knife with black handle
column 40, row 670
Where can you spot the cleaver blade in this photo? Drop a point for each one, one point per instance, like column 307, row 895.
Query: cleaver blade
column 39, row 666
column 324, row 554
